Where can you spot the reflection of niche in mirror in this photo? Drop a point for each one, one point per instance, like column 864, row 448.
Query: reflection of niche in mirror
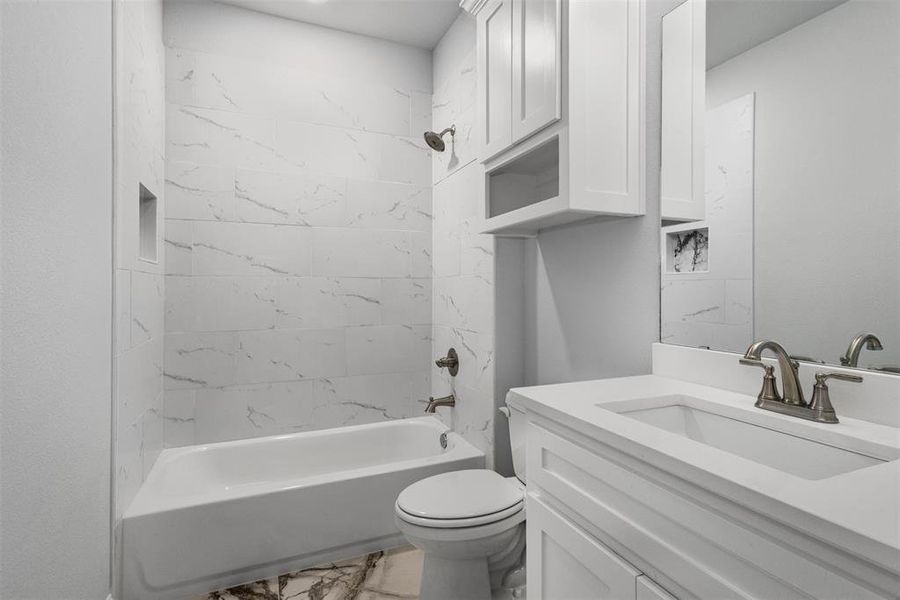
column 713, row 307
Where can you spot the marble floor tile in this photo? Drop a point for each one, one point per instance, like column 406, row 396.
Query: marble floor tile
column 388, row 575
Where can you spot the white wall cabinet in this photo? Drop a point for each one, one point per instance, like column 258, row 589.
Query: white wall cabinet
column 566, row 142
column 537, row 65
column 494, row 56
column 682, row 186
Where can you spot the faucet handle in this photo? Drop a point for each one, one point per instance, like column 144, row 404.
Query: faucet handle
column 821, row 401
column 769, row 391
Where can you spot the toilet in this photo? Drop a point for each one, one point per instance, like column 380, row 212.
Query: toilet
column 470, row 525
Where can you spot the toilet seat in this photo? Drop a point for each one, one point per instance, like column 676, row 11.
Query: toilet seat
column 459, row 499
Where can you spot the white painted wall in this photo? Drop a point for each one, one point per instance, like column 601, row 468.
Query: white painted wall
column 298, row 231
column 463, row 265
column 827, row 233
column 56, row 248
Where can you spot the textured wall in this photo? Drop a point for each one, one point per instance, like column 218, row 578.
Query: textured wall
column 139, row 282
column 55, row 324
column 298, row 230
column 463, row 260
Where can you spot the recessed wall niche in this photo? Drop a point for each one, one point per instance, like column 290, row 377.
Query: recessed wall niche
column 686, row 248
column 146, row 224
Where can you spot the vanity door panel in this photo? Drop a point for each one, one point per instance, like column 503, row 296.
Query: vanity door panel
column 694, row 543
column 564, row 563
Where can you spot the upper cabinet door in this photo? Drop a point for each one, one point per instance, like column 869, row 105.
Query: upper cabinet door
column 682, row 186
column 495, row 75
column 605, row 100
column 536, row 65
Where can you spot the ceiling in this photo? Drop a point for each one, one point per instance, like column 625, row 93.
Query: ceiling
column 735, row 26
column 419, row 23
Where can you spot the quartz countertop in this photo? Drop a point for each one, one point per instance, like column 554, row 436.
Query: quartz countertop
column 856, row 511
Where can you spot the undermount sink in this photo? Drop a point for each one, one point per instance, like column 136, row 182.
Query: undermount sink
column 702, row 421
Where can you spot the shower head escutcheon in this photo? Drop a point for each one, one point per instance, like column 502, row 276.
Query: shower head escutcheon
column 435, row 141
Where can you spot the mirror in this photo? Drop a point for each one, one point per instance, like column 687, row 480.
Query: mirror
column 780, row 178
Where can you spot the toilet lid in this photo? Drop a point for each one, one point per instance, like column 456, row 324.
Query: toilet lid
column 460, row 495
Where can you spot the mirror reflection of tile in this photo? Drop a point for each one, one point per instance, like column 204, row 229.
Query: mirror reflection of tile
column 707, row 278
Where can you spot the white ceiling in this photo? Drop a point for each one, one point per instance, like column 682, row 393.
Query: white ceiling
column 735, row 26
column 419, row 23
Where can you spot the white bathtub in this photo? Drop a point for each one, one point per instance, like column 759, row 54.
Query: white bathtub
column 222, row 514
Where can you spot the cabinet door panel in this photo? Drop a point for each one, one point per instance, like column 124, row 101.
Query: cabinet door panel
column 683, row 111
column 495, row 76
column 537, row 57
column 565, row 563
column 605, row 102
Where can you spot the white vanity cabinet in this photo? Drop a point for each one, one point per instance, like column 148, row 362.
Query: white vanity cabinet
column 605, row 523
column 560, row 111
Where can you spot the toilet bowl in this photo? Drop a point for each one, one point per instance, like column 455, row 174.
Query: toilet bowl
column 469, row 524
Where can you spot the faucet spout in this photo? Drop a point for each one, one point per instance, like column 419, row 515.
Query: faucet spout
column 433, row 403
column 791, row 389
column 871, row 342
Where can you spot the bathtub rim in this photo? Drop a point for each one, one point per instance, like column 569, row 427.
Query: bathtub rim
column 147, row 503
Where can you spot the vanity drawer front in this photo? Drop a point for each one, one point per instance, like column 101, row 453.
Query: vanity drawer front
column 693, row 549
column 566, row 563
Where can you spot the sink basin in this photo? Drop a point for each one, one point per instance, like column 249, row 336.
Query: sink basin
column 702, row 421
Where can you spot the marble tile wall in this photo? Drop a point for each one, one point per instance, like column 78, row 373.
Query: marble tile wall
column 715, row 308
column 139, row 283
column 299, row 250
column 463, row 265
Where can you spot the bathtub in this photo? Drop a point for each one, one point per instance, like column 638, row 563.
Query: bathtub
column 222, row 514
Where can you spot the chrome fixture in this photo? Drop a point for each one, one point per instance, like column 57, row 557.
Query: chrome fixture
column 451, row 362
column 851, row 358
column 433, row 402
column 443, row 439
column 792, row 403
column 435, row 141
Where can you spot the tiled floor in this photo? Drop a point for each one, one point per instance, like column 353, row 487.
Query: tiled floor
column 390, row 575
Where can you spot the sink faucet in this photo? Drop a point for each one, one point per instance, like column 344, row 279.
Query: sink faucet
column 851, row 358
column 819, row 409
column 793, row 393
column 433, row 402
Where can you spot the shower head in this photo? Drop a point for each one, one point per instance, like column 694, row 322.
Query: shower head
column 435, row 141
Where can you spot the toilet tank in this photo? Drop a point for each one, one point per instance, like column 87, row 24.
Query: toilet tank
column 517, row 426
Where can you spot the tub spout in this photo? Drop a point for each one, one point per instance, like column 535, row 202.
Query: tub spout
column 433, row 402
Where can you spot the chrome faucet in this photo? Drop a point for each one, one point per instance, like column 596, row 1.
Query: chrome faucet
column 433, row 402
column 793, row 393
column 851, row 358
column 793, row 403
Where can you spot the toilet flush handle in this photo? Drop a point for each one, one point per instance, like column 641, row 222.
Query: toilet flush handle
column 504, row 411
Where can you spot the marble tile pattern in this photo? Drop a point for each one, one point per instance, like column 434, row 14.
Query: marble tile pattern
column 463, row 261
column 688, row 251
column 299, row 250
column 139, row 284
column 388, row 575
column 714, row 307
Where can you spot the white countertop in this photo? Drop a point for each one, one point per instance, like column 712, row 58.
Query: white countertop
column 858, row 511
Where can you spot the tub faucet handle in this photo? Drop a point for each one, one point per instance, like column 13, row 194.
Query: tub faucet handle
column 451, row 361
